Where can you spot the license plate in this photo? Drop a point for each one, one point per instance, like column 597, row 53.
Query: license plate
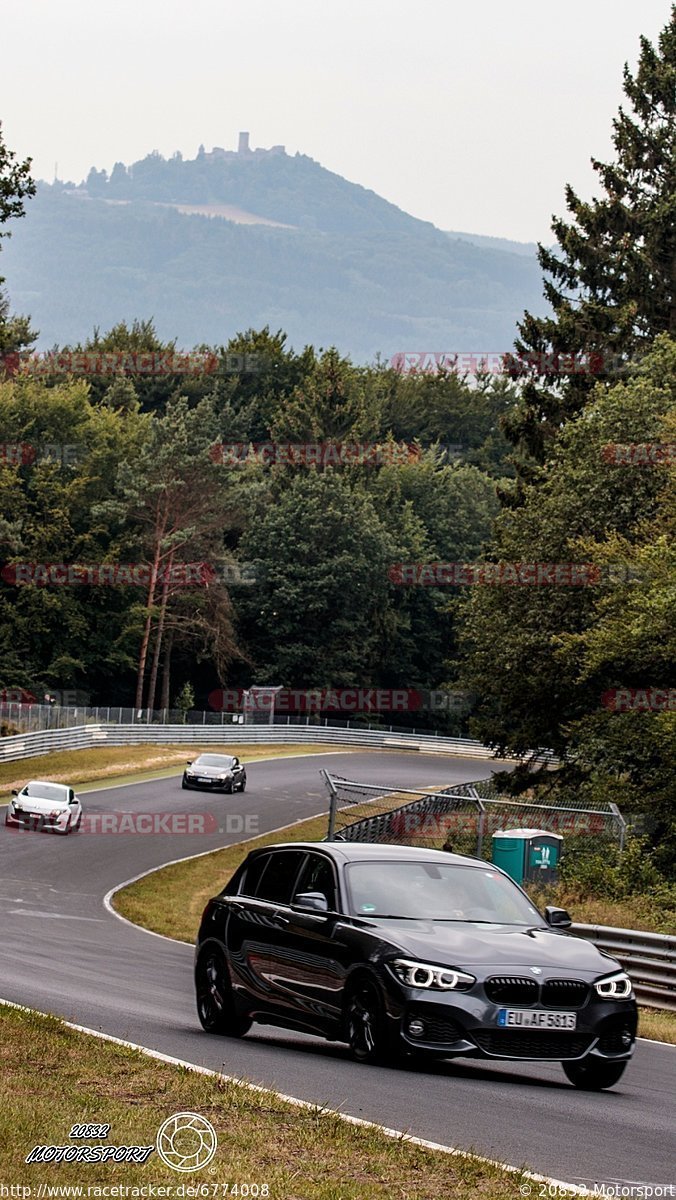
column 518, row 1018
column 203, row 779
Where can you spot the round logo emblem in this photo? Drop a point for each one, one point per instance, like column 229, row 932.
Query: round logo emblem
column 186, row 1142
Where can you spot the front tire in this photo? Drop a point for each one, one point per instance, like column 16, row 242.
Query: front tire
column 365, row 1024
column 184, row 785
column 215, row 1006
column 592, row 1074
column 242, row 786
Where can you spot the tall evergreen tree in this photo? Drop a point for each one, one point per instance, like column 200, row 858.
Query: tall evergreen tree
column 16, row 185
column 611, row 282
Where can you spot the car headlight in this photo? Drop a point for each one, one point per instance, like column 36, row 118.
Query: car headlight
column 614, row 987
column 425, row 975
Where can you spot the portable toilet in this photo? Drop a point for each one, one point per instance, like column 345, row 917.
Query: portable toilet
column 528, row 855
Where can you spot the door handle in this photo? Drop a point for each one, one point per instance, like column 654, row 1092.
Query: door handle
column 280, row 919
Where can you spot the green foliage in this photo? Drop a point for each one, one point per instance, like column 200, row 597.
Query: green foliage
column 608, row 874
column 611, row 283
column 185, row 700
column 545, row 659
column 316, row 618
column 15, row 185
column 517, row 636
column 60, row 637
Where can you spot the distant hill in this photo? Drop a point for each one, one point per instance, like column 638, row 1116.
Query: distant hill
column 229, row 241
column 529, row 249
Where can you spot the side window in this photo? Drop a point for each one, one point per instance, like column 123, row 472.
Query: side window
column 253, row 875
column 317, row 876
column 278, row 879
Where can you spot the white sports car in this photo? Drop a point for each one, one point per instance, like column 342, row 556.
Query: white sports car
column 49, row 806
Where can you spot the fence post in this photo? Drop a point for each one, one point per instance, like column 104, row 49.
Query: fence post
column 621, row 822
column 482, row 821
column 333, row 805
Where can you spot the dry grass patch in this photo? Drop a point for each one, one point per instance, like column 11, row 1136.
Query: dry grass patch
column 56, row 1077
column 659, row 1025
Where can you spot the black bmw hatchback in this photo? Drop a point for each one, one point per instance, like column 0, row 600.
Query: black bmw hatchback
column 396, row 950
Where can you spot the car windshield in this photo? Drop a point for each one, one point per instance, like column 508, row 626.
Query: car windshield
column 424, row 891
column 45, row 791
column 213, row 760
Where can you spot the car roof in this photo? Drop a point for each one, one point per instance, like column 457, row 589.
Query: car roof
column 376, row 851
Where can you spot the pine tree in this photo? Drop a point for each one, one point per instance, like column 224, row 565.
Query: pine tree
column 611, row 282
column 15, row 186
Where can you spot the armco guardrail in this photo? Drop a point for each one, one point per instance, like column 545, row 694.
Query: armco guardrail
column 649, row 958
column 82, row 737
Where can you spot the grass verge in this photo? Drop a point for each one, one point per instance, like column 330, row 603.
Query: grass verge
column 56, row 1077
column 128, row 763
column 659, row 1025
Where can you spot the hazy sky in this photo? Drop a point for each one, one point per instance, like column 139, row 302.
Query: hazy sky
column 470, row 115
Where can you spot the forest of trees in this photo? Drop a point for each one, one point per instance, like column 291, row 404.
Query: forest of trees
column 149, row 479
column 536, row 470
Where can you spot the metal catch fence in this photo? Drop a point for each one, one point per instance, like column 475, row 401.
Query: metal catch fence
column 460, row 817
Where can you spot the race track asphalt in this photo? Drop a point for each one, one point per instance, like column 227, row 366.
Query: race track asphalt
column 62, row 952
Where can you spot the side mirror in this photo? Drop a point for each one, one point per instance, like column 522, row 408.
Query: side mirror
column 188, row 762
column 14, row 792
column 558, row 918
column 235, row 762
column 311, row 902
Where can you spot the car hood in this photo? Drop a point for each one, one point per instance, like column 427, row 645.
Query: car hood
column 31, row 804
column 504, row 947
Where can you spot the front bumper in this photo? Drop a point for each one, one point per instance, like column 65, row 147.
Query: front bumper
column 466, row 1024
column 42, row 822
column 210, row 785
